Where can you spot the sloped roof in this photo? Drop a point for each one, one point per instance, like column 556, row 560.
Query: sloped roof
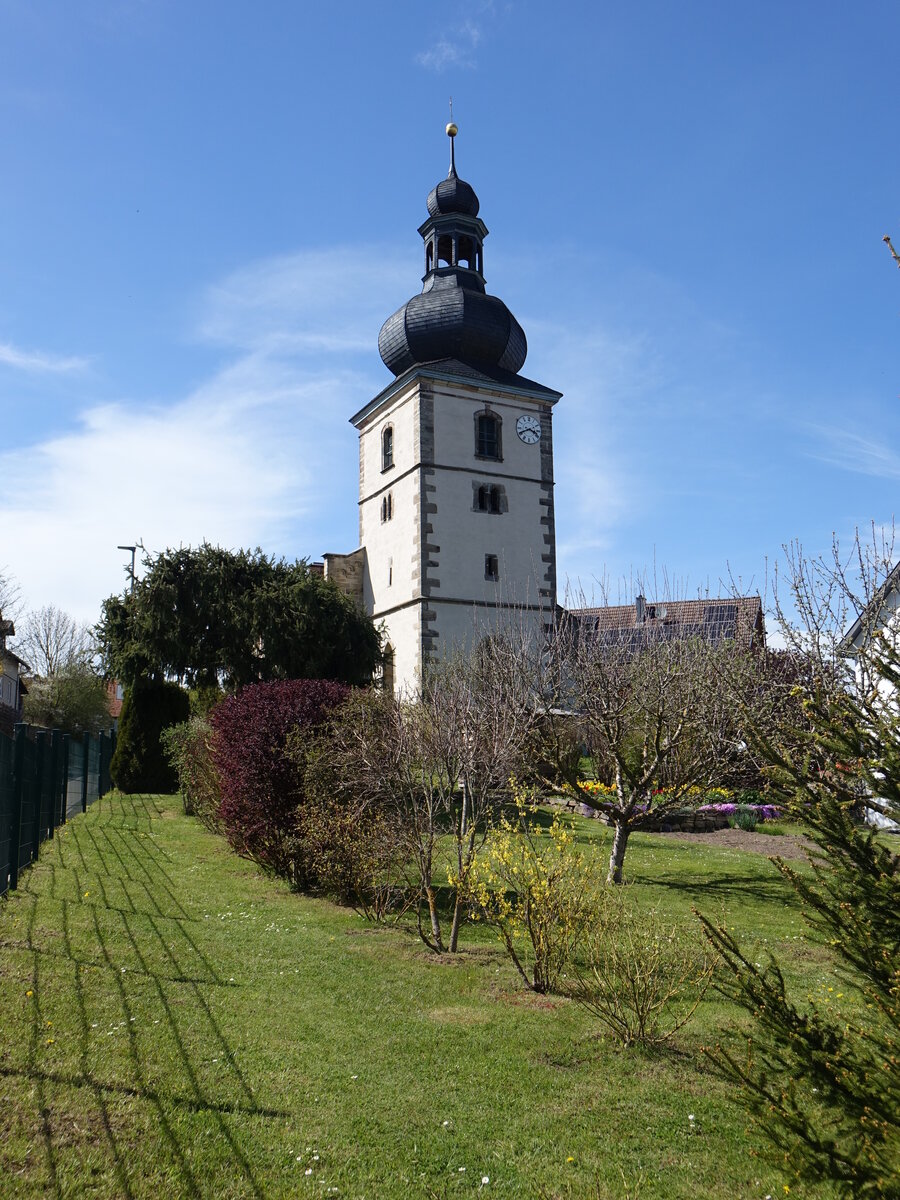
column 737, row 617
column 868, row 618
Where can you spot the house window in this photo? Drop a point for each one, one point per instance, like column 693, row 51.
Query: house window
column 390, row 572
column 387, row 448
column 491, row 568
column 487, row 435
column 387, row 507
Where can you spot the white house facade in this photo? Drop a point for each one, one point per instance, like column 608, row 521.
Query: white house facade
column 879, row 619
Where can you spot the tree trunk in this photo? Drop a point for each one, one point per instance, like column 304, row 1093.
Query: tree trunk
column 463, row 874
column 434, row 917
column 617, row 857
column 454, row 928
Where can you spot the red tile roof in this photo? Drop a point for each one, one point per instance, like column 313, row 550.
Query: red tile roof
column 740, row 617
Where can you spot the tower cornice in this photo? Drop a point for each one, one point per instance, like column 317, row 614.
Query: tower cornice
column 514, row 386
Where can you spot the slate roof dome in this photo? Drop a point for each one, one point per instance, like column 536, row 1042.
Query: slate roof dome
column 453, row 317
column 453, row 195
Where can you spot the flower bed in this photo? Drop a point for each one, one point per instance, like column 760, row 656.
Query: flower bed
column 721, row 808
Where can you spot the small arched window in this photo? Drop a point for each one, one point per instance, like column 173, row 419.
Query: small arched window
column 487, row 435
column 387, row 447
column 387, row 670
column 489, row 498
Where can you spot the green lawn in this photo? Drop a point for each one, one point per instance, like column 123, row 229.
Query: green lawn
column 176, row 1024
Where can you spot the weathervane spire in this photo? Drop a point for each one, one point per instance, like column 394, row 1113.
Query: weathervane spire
column 451, row 131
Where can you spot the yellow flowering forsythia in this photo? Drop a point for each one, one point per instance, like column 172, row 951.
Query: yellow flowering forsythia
column 534, row 884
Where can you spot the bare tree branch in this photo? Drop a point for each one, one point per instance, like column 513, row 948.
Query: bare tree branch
column 51, row 640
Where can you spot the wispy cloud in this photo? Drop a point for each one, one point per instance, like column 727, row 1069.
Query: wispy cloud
column 34, row 360
column 456, row 49
column 601, row 485
column 260, row 452
column 322, row 300
column 844, row 448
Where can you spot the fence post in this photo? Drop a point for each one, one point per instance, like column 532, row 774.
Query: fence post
column 106, row 745
column 86, row 738
column 15, row 832
column 54, row 779
column 64, row 808
column 40, row 764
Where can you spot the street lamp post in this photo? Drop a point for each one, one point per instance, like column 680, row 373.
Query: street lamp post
column 133, row 550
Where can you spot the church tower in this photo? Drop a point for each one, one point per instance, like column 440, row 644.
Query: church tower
column 456, row 521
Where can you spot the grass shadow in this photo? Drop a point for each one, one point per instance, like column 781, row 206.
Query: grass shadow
column 179, row 971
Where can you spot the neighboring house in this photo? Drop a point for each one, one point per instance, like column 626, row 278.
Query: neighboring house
column 739, row 619
column 12, row 685
column 881, row 616
column 115, row 693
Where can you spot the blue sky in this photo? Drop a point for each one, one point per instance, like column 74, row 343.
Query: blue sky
column 209, row 208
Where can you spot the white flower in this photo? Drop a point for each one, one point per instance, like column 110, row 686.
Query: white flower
column 485, row 1179
column 461, row 1169
column 690, row 1116
column 308, row 1171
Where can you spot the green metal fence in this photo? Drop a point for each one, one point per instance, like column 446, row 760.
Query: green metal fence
column 45, row 778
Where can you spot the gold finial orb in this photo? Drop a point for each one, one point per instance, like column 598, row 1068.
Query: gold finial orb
column 452, row 130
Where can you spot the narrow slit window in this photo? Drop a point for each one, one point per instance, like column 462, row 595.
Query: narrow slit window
column 387, row 448
column 491, row 568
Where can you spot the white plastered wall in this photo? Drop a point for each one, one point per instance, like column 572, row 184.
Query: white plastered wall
column 449, row 558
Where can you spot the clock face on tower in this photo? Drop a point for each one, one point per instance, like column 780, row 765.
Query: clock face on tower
column 529, row 430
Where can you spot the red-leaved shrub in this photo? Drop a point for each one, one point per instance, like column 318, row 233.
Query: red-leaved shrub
column 262, row 789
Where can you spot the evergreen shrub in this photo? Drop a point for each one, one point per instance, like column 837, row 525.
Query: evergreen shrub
column 139, row 763
column 263, row 787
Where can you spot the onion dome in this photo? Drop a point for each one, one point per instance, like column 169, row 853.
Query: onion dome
column 453, row 317
column 453, row 195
